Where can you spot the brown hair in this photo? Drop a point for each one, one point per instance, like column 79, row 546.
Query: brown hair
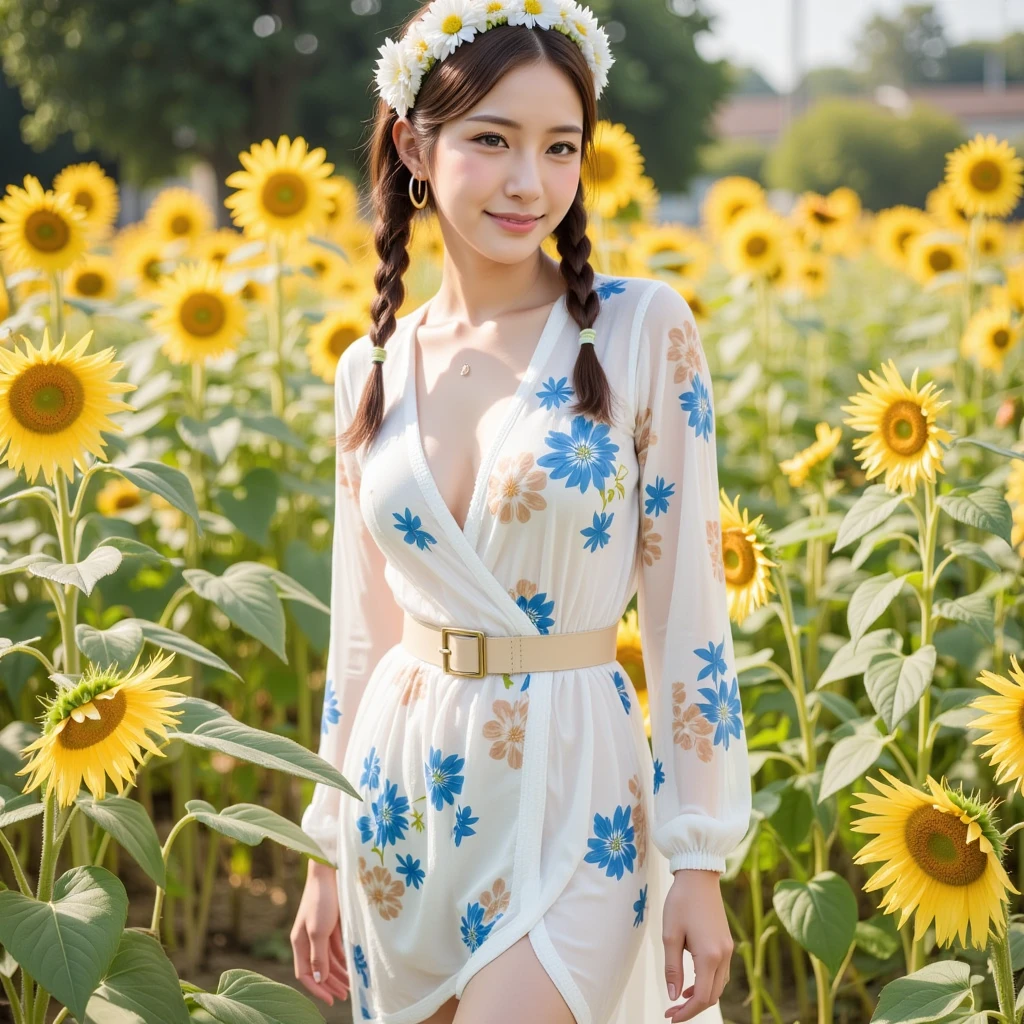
column 448, row 90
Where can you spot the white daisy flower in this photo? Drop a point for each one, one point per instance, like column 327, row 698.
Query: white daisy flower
column 536, row 13
column 583, row 27
column 449, row 23
column 601, row 60
column 397, row 76
column 497, row 9
column 419, row 48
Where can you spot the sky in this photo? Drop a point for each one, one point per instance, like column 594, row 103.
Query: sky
column 756, row 32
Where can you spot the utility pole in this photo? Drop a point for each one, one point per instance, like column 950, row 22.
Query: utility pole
column 794, row 99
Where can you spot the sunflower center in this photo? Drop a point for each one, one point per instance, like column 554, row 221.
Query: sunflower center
column 202, row 314
column 1001, row 338
column 902, row 238
column 675, row 268
column 341, row 339
column 738, row 558
column 757, row 245
column 89, row 283
column 734, row 211
column 46, row 231
column 128, row 499
column 84, row 199
column 453, row 24
column 939, row 260
column 85, row 734
column 284, row 194
column 904, row 427
column 824, row 218
column 47, row 398
column 986, row 176
column 938, row 842
column 151, row 269
column 607, row 165
column 180, row 224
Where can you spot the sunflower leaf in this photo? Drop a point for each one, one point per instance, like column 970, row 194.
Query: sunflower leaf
column 984, row 508
column 974, row 609
column 326, row 243
column 251, row 824
column 895, row 683
column 1007, row 453
column 927, row 995
column 119, row 645
column 854, row 656
column 216, row 438
column 871, row 509
column 244, row 997
column 169, row 640
column 848, row 760
column 171, row 484
column 974, row 551
column 821, row 914
column 870, row 600
column 127, row 821
column 15, row 807
column 100, row 562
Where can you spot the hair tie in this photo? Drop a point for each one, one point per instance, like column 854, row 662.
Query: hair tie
column 379, row 354
column 587, row 336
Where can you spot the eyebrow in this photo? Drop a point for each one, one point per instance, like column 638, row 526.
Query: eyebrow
column 495, row 119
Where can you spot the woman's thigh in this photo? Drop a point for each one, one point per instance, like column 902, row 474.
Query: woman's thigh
column 445, row 1015
column 513, row 988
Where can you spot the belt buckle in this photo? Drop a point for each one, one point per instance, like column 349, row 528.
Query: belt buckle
column 446, row 653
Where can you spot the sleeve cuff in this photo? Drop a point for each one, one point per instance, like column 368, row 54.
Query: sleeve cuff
column 324, row 832
column 699, row 859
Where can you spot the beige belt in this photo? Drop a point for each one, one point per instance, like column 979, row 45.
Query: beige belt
column 469, row 652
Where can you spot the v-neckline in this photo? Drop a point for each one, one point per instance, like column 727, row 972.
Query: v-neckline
column 469, row 533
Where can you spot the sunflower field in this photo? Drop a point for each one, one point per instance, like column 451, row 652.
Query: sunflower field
column 166, row 506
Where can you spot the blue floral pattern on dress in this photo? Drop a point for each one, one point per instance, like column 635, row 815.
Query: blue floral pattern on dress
column 362, row 967
column 463, row 819
column 413, row 533
column 715, row 662
column 640, row 906
column 387, row 820
column 584, row 456
column 371, row 770
column 330, row 715
column 723, row 710
column 526, row 683
column 443, row 780
column 414, row 874
column 659, row 493
column 554, row 393
column 606, row 289
column 539, row 608
column 474, row 931
column 659, row 775
column 597, row 534
column 612, row 846
column 698, row 404
column 620, row 685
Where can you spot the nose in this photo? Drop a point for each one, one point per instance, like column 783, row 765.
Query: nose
column 524, row 180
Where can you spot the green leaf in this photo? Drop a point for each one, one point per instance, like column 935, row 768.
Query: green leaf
column 984, row 508
column 217, row 438
column 870, row 600
column 274, row 427
column 15, row 807
column 877, row 936
column 292, row 590
column 204, row 724
column 8, row 646
column 820, row 914
column 119, row 645
column 925, row 996
column 896, row 682
column 68, row 943
column 247, row 596
column 136, row 549
column 1007, row 453
column 975, row 610
column 871, row 509
column 171, row 484
column 848, row 760
column 140, row 986
column 100, row 562
column 251, row 824
column 326, row 243
column 24, row 562
column 244, row 997
column 170, row 640
column 974, row 551
column 808, row 528
column 853, row 658
column 842, row 707
column 313, row 570
column 252, row 503
column 793, row 816
column 127, row 822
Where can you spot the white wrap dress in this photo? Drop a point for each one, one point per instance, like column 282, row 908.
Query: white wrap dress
column 505, row 806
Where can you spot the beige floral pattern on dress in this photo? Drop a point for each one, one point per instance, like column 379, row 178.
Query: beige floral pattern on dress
column 413, row 682
column 643, row 437
column 650, row 542
column 690, row 729
column 639, row 821
column 495, row 900
column 713, row 528
column 512, row 490
column 684, row 351
column 345, row 481
column 508, row 730
column 384, row 892
column 523, row 588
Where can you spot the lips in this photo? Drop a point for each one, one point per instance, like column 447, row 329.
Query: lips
column 514, row 218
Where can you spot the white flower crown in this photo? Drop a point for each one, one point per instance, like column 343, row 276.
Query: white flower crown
column 447, row 24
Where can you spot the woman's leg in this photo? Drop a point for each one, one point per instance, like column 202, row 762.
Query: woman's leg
column 445, row 1015
column 513, row 988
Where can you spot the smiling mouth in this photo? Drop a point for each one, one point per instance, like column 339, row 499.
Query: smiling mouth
column 512, row 220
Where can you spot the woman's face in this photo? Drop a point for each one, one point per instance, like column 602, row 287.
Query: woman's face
column 518, row 152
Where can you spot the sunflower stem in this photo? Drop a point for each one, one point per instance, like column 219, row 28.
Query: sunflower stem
column 1002, row 973
column 19, row 871
column 57, row 307
column 72, row 661
column 48, row 859
column 165, row 852
column 12, row 999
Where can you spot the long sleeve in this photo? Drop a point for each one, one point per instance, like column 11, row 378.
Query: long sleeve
column 702, row 793
column 365, row 622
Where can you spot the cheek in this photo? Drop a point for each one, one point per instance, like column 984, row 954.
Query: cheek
column 469, row 173
column 563, row 182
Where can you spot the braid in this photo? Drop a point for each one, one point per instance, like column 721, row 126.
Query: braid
column 589, row 379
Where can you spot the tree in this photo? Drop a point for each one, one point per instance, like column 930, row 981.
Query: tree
column 906, row 50
column 831, row 81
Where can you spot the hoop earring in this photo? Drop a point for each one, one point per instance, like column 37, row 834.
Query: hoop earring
column 418, row 203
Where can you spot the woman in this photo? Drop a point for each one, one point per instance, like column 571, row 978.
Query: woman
column 518, row 456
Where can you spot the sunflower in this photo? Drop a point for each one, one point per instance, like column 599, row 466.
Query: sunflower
column 894, row 230
column 1003, row 723
column 93, row 277
column 54, row 404
column 1015, row 287
column 942, row 855
column 40, row 230
column 199, row 319
column 799, row 467
column 178, row 214
column 344, row 200
column 614, row 179
column 671, row 250
column 629, row 654
column 1015, row 497
column 746, row 544
column 991, row 240
column 698, row 307
column 329, row 338
column 755, row 244
column 328, row 269
column 94, row 194
column 941, row 202
column 727, row 199
column 823, row 221
column 283, row 191
column 216, row 246
column 934, row 253
column 903, row 438
column 143, row 258
column 985, row 176
column 118, row 495
column 990, row 336
column 100, row 727
column 809, row 271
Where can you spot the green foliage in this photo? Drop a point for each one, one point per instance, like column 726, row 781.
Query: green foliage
column 734, row 156
column 887, row 159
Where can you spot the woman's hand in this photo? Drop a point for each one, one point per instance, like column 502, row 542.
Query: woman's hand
column 694, row 919
column 316, row 936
